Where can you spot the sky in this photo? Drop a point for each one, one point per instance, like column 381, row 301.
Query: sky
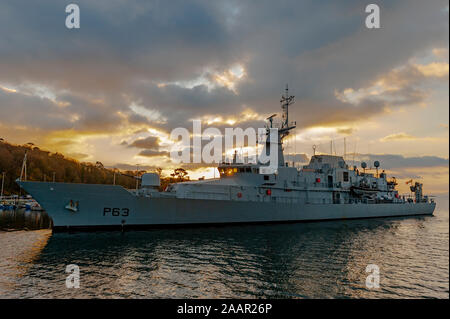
column 114, row 89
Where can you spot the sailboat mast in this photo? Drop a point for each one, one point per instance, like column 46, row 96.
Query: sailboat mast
column 23, row 171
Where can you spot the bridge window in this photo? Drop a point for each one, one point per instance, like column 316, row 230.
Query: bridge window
column 345, row 176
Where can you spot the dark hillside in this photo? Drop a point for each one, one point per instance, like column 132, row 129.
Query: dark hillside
column 42, row 165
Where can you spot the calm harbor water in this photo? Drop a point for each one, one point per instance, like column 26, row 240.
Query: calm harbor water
column 305, row 260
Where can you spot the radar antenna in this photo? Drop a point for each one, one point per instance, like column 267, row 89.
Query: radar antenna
column 270, row 118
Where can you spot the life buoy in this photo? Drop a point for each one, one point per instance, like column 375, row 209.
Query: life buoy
column 269, row 192
column 239, row 195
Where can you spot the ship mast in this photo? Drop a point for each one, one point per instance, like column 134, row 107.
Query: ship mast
column 283, row 131
column 285, row 101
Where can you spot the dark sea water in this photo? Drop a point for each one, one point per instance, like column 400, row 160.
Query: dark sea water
column 304, row 260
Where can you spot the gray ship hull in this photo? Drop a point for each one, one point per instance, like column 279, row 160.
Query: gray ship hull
column 101, row 206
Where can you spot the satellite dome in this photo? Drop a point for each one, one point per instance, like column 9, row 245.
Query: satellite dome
column 363, row 165
column 376, row 164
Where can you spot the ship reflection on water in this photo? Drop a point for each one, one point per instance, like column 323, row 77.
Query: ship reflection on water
column 19, row 250
column 309, row 260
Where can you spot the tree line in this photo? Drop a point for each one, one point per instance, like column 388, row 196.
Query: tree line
column 47, row 166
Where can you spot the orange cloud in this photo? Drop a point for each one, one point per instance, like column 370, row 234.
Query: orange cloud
column 404, row 136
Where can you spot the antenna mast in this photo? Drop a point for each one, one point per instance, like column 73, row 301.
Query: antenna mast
column 285, row 101
column 345, row 148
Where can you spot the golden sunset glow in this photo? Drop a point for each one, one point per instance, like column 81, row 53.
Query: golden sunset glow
column 356, row 92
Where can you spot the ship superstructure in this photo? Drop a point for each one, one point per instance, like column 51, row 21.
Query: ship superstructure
column 327, row 188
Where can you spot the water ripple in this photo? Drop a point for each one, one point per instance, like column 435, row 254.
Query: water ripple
column 312, row 260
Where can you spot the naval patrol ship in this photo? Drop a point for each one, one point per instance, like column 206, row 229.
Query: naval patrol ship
column 325, row 189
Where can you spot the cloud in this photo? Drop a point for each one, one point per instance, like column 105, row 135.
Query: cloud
column 441, row 53
column 180, row 41
column 153, row 153
column 128, row 167
column 151, row 142
column 137, row 65
column 399, row 87
column 398, row 136
column 345, row 131
column 435, row 69
column 297, row 158
column 396, row 161
column 406, row 137
column 78, row 156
